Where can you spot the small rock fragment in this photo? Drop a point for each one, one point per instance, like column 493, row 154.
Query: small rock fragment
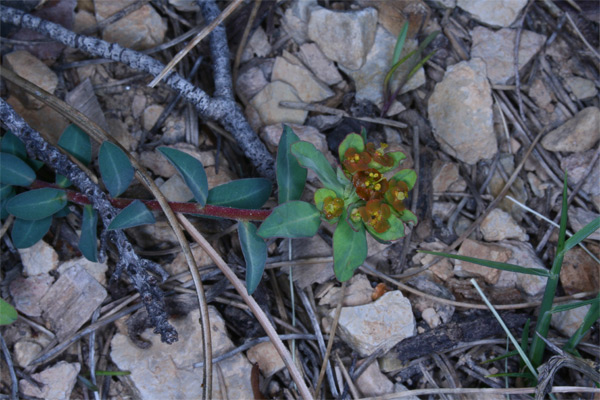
column 579, row 217
column 83, row 20
column 320, row 65
column 267, row 101
column 578, row 134
column 373, row 382
column 369, row 78
column 272, row 134
column 151, row 115
column 166, row 371
column 358, row 293
column 582, row 89
column 431, row 317
column 25, row 351
column 33, row 70
column 344, row 37
column 311, row 273
column 57, row 382
column 498, row 13
column 185, row 5
column 295, row 19
column 460, row 110
column 27, row 292
column 268, row 359
column 577, row 164
column 175, row 189
column 71, row 300
column 140, row 30
column 497, row 49
column 484, row 251
column 44, row 120
column 446, row 177
column 394, row 14
column 567, row 322
column 97, row 270
column 579, row 272
column 382, row 323
column 38, row 259
column 179, row 264
column 523, row 254
column 290, row 70
column 258, row 45
column 499, row 225
column 249, row 82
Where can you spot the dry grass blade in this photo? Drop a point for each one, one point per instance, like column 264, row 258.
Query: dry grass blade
column 254, row 307
column 481, row 392
column 203, row 33
column 100, row 135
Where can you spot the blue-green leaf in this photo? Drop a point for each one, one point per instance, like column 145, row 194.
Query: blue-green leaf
column 349, row 249
column 37, row 204
column 11, row 144
column 6, row 192
column 62, row 181
column 134, row 214
column 309, row 157
column 191, row 170
column 27, row 233
column 408, row 176
column 14, row 171
column 250, row 193
column 115, row 168
column 395, row 231
column 408, row 217
column 8, row 314
column 291, row 220
column 87, row 240
column 255, row 254
column 291, row 177
column 77, row 143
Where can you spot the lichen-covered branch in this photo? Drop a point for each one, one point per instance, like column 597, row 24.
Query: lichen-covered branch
column 220, row 108
column 137, row 268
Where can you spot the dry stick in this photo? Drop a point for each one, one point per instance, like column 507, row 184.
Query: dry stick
column 240, row 50
column 516, row 61
column 14, row 387
column 481, row 392
column 100, row 136
column 205, row 32
column 6, row 225
column 347, row 376
column 254, row 307
column 580, row 35
column 336, row 319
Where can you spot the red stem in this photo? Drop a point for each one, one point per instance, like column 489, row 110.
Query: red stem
column 186, row 208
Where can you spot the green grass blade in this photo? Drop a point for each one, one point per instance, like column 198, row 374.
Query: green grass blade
column 592, row 315
column 502, row 357
column 581, row 234
column 572, row 306
column 493, row 264
column 400, row 43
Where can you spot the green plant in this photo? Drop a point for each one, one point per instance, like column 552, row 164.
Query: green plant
column 358, row 197
column 536, row 351
column 8, row 314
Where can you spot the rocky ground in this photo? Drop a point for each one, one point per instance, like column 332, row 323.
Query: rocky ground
column 467, row 122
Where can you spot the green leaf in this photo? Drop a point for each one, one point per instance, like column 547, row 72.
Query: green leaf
column 191, row 170
column 395, row 232
column 321, row 194
column 14, row 171
column 8, row 314
column 352, row 140
column 408, row 176
column 397, row 156
column 37, row 204
column 343, row 180
column 572, row 306
column 493, row 264
column 134, row 214
column 581, row 234
column 62, row 181
column 400, row 43
column 6, row 192
column 248, row 193
column 87, row 240
column 27, row 233
column 408, row 217
column 310, row 157
column 291, row 220
column 291, row 177
column 11, row 144
column 255, row 254
column 115, row 168
column 349, row 249
column 77, row 143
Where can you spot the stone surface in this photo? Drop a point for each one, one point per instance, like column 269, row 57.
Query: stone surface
column 272, row 134
column 499, row 225
column 382, row 323
column 497, row 49
column 579, row 272
column 58, row 382
column 25, row 351
column 33, row 70
column 268, row 359
column 358, row 293
column 258, row 45
column 446, row 177
column 139, row 30
column 38, row 259
column 579, row 217
column 460, row 111
column 249, row 82
column 44, row 120
column 166, row 371
column 582, row 89
column 175, row 189
column 471, row 248
column 498, row 13
column 83, row 20
column 97, row 270
column 578, row 134
column 71, row 300
column 295, row 19
column 577, row 165
column 151, row 115
column 185, row 5
column 179, row 264
column 267, row 101
column 309, row 274
column 344, row 37
column 523, row 254
column 392, row 15
column 173, row 129
column 290, row 70
column 431, row 317
column 27, row 292
column 373, row 382
column 567, row 322
column 321, row 66
column 369, row 78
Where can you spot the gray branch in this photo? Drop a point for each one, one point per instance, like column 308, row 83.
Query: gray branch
column 137, row 268
column 221, row 108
